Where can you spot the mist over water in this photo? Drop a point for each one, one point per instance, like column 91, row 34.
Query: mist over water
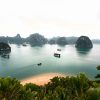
column 23, row 61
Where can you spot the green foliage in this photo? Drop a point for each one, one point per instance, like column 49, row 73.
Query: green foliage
column 93, row 94
column 96, row 83
column 69, row 88
column 98, row 67
column 32, row 87
column 59, row 88
column 25, row 94
column 11, row 89
column 98, row 75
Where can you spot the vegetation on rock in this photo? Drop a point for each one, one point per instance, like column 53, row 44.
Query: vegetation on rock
column 4, row 47
column 98, row 75
column 37, row 39
column 98, row 67
column 83, row 42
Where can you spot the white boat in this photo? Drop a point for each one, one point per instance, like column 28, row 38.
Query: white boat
column 24, row 44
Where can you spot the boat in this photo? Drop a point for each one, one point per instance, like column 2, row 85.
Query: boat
column 24, row 44
column 39, row 64
column 58, row 49
column 57, row 55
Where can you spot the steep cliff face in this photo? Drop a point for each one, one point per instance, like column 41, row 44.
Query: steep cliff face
column 83, row 42
column 4, row 47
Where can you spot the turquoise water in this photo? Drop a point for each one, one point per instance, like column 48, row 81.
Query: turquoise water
column 23, row 61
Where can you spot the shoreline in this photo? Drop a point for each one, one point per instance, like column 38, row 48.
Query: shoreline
column 41, row 79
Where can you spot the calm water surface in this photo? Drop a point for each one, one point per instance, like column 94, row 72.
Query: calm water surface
column 23, row 61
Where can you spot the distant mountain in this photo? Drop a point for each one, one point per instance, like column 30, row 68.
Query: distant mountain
column 63, row 40
column 3, row 39
column 13, row 40
column 36, row 39
column 53, row 40
column 96, row 40
column 71, row 40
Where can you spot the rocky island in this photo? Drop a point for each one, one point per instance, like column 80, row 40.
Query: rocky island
column 5, row 49
column 84, row 42
column 36, row 40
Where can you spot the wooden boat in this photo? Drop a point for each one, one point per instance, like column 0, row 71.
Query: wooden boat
column 24, row 44
column 58, row 49
column 39, row 64
column 57, row 55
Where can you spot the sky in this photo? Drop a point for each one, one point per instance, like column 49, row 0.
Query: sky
column 50, row 17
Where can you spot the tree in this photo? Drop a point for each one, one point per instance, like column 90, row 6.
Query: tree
column 11, row 89
column 98, row 75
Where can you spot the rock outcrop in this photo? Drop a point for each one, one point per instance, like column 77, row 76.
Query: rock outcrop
column 37, row 40
column 4, row 47
column 83, row 42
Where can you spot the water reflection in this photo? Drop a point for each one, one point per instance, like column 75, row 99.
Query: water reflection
column 18, row 45
column 5, row 54
column 36, row 45
column 61, row 45
column 83, row 51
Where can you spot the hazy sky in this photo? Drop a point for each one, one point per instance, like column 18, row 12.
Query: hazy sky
column 50, row 17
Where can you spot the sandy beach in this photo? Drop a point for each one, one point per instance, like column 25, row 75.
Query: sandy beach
column 41, row 79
